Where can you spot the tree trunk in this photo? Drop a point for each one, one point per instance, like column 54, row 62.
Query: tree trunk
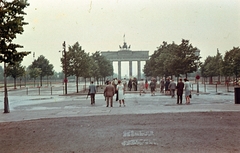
column 77, row 83
column 40, row 80
column 219, row 81
column 210, row 80
column 15, row 83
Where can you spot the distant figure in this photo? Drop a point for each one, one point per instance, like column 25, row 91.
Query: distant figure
column 172, row 87
column 115, row 82
column 166, row 86
column 92, row 92
column 109, row 92
column 135, row 83
column 187, row 87
column 180, row 86
column 152, row 86
column 162, row 85
column 130, row 84
column 124, row 83
column 106, row 82
column 121, row 93
column 146, row 84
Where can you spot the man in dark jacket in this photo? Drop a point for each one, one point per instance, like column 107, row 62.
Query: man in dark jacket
column 180, row 86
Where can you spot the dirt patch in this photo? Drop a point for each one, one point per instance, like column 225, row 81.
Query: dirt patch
column 167, row 132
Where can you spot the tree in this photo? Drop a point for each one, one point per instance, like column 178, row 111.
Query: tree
column 218, row 62
column 173, row 59
column 190, row 61
column 15, row 71
column 231, row 62
column 208, row 69
column 12, row 22
column 34, row 73
column 11, row 25
column 43, row 64
column 104, row 65
column 212, row 66
column 79, row 62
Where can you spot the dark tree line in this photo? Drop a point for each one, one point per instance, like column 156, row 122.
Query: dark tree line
column 218, row 65
column 173, row 59
column 81, row 64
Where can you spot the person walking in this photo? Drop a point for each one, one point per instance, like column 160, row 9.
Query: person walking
column 109, row 92
column 121, row 92
column 152, row 86
column 135, row 83
column 124, row 83
column 146, row 84
column 180, row 86
column 130, row 84
column 162, row 85
column 187, row 87
column 166, row 86
column 115, row 82
column 172, row 87
column 92, row 92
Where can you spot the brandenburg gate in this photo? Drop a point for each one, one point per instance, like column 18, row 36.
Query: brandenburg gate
column 125, row 54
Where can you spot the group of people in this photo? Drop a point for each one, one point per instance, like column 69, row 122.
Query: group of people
column 132, row 84
column 118, row 87
column 112, row 88
column 180, row 87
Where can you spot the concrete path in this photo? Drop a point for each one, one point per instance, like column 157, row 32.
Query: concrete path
column 30, row 107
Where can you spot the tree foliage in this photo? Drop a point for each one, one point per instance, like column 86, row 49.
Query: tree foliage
column 231, row 62
column 173, row 59
column 33, row 73
column 78, row 62
column 15, row 71
column 212, row 66
column 105, row 67
column 12, row 22
column 43, row 64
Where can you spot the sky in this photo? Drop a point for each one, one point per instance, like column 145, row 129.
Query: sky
column 99, row 25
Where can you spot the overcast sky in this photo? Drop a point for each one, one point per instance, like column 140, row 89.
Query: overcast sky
column 99, row 25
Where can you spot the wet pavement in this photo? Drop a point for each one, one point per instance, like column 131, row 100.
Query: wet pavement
column 51, row 103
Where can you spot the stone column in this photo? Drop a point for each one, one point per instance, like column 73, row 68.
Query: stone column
column 113, row 69
column 119, row 70
column 130, row 69
column 139, row 70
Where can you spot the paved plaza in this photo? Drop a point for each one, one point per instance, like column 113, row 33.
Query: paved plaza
column 34, row 106
column 49, row 123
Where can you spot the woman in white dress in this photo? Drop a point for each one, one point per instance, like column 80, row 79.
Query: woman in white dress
column 187, row 87
column 121, row 93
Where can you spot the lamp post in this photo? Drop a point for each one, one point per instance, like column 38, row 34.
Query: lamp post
column 65, row 66
column 6, row 104
column 197, row 53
